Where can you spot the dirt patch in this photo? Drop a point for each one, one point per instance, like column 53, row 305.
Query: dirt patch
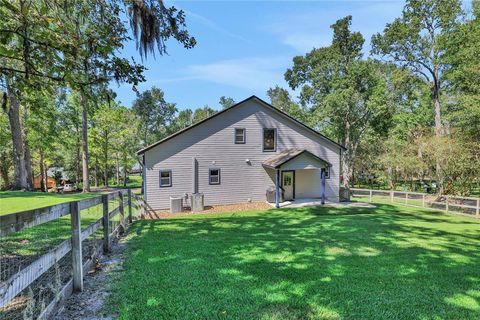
column 164, row 214
column 89, row 304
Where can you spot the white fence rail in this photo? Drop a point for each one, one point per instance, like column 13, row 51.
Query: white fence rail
column 468, row 206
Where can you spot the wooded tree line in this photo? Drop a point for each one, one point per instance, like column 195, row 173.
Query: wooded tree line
column 407, row 110
column 56, row 61
column 115, row 134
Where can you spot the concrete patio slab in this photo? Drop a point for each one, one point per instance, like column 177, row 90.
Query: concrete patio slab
column 298, row 203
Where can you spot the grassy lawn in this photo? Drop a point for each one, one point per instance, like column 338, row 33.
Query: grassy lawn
column 392, row 262
column 134, row 181
column 15, row 201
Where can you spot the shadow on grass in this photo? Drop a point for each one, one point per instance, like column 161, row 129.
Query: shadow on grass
column 303, row 263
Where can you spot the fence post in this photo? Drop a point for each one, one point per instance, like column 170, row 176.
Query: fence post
column 391, row 196
column 370, row 195
column 76, row 247
column 446, row 203
column 122, row 212
column 477, row 213
column 129, row 205
column 406, row 197
column 423, row 200
column 106, row 224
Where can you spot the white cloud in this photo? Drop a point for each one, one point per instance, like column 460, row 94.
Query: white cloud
column 304, row 42
column 304, row 30
column 257, row 73
column 212, row 25
column 249, row 73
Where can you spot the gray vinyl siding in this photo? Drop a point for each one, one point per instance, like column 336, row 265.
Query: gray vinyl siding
column 212, row 144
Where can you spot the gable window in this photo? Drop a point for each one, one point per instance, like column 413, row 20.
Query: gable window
column 165, row 178
column 214, row 176
column 269, row 139
column 239, row 135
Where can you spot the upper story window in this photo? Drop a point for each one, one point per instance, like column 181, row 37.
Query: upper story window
column 214, row 176
column 240, row 135
column 269, row 139
column 165, row 178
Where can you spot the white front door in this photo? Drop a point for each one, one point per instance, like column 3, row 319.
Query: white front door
column 288, row 182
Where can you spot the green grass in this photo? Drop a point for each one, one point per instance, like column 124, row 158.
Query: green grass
column 134, row 181
column 392, row 262
column 15, row 201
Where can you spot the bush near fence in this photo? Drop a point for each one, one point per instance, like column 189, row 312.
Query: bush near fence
column 468, row 206
column 45, row 252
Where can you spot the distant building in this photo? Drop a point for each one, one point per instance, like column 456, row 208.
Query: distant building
column 37, row 182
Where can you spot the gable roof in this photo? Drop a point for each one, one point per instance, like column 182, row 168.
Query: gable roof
column 285, row 156
column 141, row 151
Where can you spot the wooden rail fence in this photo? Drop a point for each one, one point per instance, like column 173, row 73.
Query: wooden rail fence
column 448, row 203
column 16, row 222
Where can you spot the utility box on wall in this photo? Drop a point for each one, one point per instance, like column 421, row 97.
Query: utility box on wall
column 197, row 202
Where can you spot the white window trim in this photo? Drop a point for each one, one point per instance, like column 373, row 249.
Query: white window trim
column 170, row 178
column 210, row 176
column 244, row 136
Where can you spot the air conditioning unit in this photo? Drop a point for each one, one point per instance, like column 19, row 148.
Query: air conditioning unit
column 176, row 204
column 271, row 194
column 197, row 202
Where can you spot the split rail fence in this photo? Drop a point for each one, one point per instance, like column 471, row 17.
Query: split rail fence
column 46, row 252
column 467, row 206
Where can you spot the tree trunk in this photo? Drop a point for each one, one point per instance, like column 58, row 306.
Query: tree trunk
column 125, row 170
column 28, row 165
column 438, row 128
column 20, row 180
column 145, row 143
column 117, row 168
column 78, row 156
column 28, row 156
column 43, row 184
column 4, row 168
column 390, row 180
column 346, row 165
column 438, row 116
column 85, row 155
column 96, row 172
column 105, row 158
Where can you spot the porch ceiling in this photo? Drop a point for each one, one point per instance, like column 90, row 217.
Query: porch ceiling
column 285, row 156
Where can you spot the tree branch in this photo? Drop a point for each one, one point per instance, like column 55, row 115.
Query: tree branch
column 7, row 69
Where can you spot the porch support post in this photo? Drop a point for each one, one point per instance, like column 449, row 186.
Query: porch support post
column 322, row 175
column 277, row 189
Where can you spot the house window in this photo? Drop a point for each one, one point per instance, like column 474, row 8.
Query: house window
column 239, row 135
column 269, row 139
column 165, row 178
column 214, row 176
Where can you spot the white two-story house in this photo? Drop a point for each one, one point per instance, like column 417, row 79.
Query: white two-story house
column 237, row 154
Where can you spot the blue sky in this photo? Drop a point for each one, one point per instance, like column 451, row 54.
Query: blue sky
column 244, row 48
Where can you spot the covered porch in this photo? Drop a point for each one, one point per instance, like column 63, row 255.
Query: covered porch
column 298, row 174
